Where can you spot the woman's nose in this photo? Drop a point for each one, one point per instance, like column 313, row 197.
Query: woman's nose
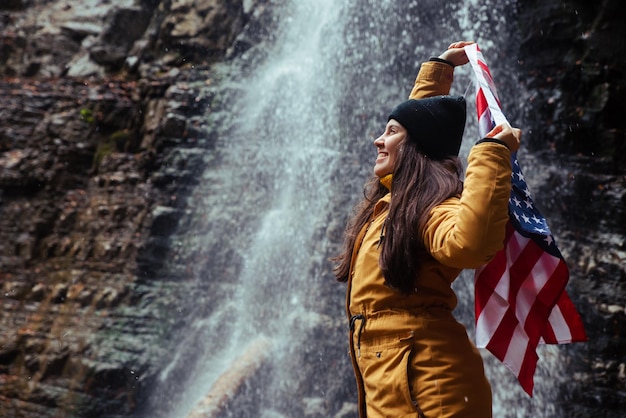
column 379, row 142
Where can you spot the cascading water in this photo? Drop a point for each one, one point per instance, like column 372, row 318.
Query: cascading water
column 294, row 120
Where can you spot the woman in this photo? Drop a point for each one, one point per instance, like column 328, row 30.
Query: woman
column 417, row 228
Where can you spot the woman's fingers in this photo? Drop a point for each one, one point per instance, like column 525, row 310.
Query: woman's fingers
column 460, row 44
column 492, row 133
column 505, row 133
column 455, row 53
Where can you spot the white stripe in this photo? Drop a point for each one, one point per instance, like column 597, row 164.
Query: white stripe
column 484, row 123
column 473, row 56
column 517, row 350
column 494, row 310
column 490, row 318
column 559, row 326
column 532, row 286
column 516, row 244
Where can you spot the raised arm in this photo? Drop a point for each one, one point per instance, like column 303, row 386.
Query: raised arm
column 467, row 232
column 436, row 75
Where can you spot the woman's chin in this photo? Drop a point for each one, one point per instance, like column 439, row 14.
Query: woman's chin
column 381, row 171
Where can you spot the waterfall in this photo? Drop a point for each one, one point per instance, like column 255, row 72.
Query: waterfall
column 278, row 149
column 294, row 124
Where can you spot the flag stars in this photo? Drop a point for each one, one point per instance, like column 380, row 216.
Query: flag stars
column 527, row 192
column 525, row 218
column 528, row 203
column 536, row 220
column 517, row 202
column 520, row 176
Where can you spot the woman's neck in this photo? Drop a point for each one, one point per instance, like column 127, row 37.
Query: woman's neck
column 386, row 181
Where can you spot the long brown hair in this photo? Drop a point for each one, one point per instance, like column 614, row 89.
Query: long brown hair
column 419, row 184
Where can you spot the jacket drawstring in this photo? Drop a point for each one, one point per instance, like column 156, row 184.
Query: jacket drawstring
column 382, row 233
column 353, row 319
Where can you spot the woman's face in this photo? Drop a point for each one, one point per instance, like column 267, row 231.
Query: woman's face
column 387, row 145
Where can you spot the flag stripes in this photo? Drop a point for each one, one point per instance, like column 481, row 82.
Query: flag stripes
column 520, row 297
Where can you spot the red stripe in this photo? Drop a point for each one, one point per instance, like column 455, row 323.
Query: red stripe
column 521, row 268
column 489, row 79
column 481, row 103
column 492, row 272
column 499, row 342
column 572, row 318
column 490, row 275
column 527, row 371
column 485, row 69
column 548, row 335
column 537, row 318
column 487, row 281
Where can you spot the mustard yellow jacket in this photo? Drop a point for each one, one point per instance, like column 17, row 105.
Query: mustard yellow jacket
column 411, row 357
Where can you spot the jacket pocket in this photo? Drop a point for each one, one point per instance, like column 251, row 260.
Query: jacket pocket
column 384, row 366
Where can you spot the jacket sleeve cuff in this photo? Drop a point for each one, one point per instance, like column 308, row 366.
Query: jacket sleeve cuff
column 494, row 140
column 437, row 59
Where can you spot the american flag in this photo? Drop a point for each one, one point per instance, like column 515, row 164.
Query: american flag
column 520, row 296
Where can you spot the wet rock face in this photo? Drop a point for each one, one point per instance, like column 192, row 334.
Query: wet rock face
column 95, row 165
column 578, row 80
column 80, row 214
column 103, row 137
column 83, row 38
column 578, row 135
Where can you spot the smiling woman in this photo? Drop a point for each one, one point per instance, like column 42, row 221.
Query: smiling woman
column 387, row 145
column 418, row 227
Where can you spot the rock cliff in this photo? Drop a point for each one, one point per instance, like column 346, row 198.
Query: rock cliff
column 100, row 141
column 575, row 80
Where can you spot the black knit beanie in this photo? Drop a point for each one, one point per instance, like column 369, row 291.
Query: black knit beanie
column 434, row 124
